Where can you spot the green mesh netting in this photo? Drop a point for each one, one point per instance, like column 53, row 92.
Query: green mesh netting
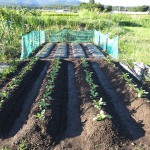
column 112, row 47
column 96, row 39
column 103, row 41
column 31, row 41
column 35, row 38
column 71, row 36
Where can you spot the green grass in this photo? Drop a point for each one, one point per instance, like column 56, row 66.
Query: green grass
column 135, row 45
column 134, row 31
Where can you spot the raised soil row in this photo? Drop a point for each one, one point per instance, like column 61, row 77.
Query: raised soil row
column 68, row 122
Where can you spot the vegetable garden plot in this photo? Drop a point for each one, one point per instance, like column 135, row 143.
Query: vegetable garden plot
column 135, row 100
column 77, row 50
column 72, row 110
column 45, row 50
column 61, row 51
column 93, row 132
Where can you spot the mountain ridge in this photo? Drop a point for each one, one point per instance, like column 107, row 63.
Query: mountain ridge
column 38, row 2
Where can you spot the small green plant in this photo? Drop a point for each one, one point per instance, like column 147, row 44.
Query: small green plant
column 3, row 96
column 107, row 59
column 93, row 93
column 102, row 116
column 40, row 115
column 141, row 92
column 43, row 104
column 125, row 76
column 23, row 145
column 99, row 103
column 5, row 148
column 84, row 62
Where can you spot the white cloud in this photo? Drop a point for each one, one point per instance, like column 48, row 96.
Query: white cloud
column 122, row 2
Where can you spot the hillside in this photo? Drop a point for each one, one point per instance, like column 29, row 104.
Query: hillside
column 38, row 2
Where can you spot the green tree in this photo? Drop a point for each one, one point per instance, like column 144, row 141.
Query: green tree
column 108, row 8
column 92, row 1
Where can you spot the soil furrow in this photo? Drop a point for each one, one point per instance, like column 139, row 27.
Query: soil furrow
column 133, row 128
column 27, row 99
column 73, row 122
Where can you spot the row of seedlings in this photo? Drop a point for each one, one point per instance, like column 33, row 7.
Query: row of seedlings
column 46, row 97
column 140, row 91
column 10, row 70
column 61, row 51
column 45, row 50
column 98, row 102
column 77, row 50
column 94, row 50
column 5, row 93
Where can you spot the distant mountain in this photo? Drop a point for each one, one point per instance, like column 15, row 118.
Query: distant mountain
column 38, row 2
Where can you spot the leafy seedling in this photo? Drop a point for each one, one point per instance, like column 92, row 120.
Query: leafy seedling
column 40, row 115
column 102, row 116
column 43, row 104
column 141, row 92
column 98, row 104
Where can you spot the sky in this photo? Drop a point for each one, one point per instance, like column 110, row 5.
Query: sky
column 122, row 2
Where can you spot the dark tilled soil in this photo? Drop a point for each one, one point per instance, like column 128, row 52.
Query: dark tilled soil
column 93, row 135
column 139, row 108
column 12, row 107
column 68, row 122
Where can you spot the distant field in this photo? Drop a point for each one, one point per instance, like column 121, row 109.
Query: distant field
column 134, row 31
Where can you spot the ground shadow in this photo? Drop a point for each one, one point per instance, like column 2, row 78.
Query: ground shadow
column 129, row 24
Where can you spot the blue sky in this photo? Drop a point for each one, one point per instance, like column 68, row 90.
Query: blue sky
column 122, row 2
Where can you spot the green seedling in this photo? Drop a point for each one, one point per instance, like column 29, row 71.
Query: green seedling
column 5, row 148
column 125, row 76
column 88, row 76
column 47, row 96
column 102, row 116
column 40, row 115
column 23, row 145
column 107, row 59
column 94, row 94
column 49, row 87
column 93, row 86
column 3, row 96
column 84, row 62
column 141, row 92
column 43, row 104
column 98, row 104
